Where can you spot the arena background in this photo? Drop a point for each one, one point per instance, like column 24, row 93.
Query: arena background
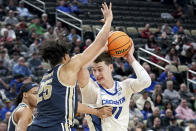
column 164, row 34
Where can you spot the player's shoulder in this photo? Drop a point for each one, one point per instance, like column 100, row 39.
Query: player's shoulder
column 24, row 110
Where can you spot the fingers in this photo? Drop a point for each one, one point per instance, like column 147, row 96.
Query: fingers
column 110, row 7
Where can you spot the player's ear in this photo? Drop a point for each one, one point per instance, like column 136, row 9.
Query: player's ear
column 111, row 67
column 25, row 94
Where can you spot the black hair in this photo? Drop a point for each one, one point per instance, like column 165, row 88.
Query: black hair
column 52, row 52
column 104, row 57
column 19, row 97
column 144, row 108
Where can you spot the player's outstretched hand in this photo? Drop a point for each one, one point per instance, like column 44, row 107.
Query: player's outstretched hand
column 104, row 112
column 107, row 12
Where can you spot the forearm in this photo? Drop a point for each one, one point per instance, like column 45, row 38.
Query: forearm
column 143, row 79
column 86, row 110
column 104, row 33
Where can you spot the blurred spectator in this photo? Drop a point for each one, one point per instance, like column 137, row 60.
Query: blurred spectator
column 4, row 71
column 168, row 105
column 166, row 28
column 72, row 34
column 170, row 94
column 173, row 57
column 11, row 32
column 63, row 7
column 179, row 13
column 20, row 47
column 157, row 90
column 74, row 8
column 10, row 19
column 167, row 118
column 190, row 127
column 186, row 94
column 171, row 77
column 157, row 124
column 146, row 33
column 8, row 108
column 193, row 68
column 7, row 117
column 17, row 82
column 173, row 126
column 147, row 110
column 44, row 22
column 147, row 67
column 5, row 38
column 3, row 126
column 176, row 27
column 165, row 43
column 163, row 75
column 36, row 27
column 76, row 50
column 151, row 44
column 134, row 112
column 50, row 35
column 158, row 102
column 35, row 63
column 4, row 56
column 34, row 47
column 140, row 102
column 150, row 89
column 11, row 6
column 87, row 43
column 22, row 11
column 2, row 12
column 59, row 29
column 156, row 113
column 14, row 59
column 158, row 32
column 181, row 30
column 21, row 68
column 184, row 112
column 155, row 59
column 3, row 85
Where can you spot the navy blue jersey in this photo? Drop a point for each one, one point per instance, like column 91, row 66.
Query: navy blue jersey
column 57, row 102
column 12, row 123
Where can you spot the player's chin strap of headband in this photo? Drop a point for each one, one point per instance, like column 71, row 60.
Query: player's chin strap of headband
column 29, row 86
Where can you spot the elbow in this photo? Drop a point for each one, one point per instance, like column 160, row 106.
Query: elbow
column 146, row 82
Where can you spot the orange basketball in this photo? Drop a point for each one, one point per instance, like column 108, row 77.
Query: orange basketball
column 119, row 44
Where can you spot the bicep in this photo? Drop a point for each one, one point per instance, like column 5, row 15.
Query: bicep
column 83, row 77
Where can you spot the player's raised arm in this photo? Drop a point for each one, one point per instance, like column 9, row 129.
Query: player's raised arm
column 101, row 38
column 143, row 80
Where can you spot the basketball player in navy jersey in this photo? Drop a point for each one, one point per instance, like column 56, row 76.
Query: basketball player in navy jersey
column 57, row 96
column 26, row 101
column 105, row 91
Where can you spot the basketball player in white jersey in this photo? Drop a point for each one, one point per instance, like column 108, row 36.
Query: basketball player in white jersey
column 102, row 90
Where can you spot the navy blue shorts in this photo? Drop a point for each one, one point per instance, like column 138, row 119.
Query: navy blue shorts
column 59, row 127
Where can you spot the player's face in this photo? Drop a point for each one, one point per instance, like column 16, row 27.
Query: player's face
column 102, row 72
column 32, row 96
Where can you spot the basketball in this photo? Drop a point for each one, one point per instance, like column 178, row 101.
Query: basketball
column 119, row 44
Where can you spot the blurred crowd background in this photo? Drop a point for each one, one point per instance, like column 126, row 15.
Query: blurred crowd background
column 169, row 103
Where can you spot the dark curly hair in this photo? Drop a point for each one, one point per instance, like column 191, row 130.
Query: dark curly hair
column 52, row 52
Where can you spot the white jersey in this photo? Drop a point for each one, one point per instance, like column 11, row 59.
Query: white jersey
column 94, row 95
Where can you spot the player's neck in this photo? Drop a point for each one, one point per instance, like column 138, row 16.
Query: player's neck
column 30, row 107
column 109, row 84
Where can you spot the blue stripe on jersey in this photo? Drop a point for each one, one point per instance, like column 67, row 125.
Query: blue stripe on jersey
column 92, row 77
column 118, row 113
column 96, row 122
column 114, row 109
